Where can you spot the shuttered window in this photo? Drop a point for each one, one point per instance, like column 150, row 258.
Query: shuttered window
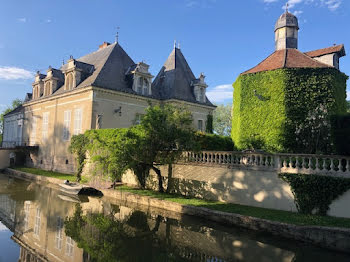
column 77, row 121
column 66, row 125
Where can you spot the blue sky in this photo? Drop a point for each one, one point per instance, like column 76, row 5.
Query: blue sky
column 221, row 38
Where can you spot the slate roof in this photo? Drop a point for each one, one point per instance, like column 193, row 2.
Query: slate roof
column 287, row 20
column 286, row 58
column 329, row 50
column 174, row 80
column 14, row 111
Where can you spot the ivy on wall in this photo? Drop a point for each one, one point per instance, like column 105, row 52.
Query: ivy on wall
column 314, row 193
column 287, row 110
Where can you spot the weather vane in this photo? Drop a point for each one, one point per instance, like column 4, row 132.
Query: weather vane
column 287, row 5
column 117, row 35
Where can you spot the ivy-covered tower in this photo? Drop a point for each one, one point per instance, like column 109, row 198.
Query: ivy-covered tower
column 284, row 104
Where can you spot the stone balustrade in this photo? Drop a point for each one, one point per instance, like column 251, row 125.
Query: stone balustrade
column 282, row 163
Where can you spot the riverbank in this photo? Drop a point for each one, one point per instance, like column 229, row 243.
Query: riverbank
column 329, row 237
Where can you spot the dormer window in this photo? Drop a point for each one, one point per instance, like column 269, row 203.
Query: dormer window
column 47, row 89
column 142, row 79
column 38, row 85
column 69, row 81
column 200, row 87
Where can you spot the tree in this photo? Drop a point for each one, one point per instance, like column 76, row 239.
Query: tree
column 15, row 103
column 348, row 106
column 78, row 147
column 222, row 120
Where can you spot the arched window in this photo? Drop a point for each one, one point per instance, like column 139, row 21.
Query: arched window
column 47, row 89
column 145, row 87
column 69, row 81
column 139, row 85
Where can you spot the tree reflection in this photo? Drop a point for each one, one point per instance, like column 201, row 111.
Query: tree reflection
column 105, row 238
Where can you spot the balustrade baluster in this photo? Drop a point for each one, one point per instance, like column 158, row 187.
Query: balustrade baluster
column 303, row 164
column 317, row 167
column 297, row 163
column 332, row 165
column 347, row 168
column 340, row 166
column 284, row 162
column 324, row 164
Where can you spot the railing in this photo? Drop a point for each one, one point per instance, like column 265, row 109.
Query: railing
column 282, row 163
column 22, row 143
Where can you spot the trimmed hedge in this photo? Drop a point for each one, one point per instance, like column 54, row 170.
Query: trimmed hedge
column 313, row 193
column 214, row 142
column 341, row 133
column 287, row 110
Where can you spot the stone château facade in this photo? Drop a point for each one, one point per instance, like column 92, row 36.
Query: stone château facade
column 104, row 89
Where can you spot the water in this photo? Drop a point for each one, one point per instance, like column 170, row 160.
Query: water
column 39, row 223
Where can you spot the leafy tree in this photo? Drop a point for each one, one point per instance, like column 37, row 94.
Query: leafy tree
column 15, row 103
column 222, row 120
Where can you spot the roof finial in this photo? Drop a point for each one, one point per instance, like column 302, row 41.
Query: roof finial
column 174, row 44
column 117, row 35
column 287, row 5
column 178, row 45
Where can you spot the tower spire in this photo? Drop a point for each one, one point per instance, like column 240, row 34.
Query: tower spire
column 287, row 5
column 174, row 44
column 117, row 35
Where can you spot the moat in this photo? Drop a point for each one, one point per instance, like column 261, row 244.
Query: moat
column 40, row 223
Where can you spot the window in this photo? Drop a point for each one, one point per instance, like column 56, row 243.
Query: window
column 69, row 81
column 69, row 246
column 139, row 85
column 45, row 124
column 145, row 87
column 33, row 131
column 47, row 89
column 37, row 222
column 138, row 119
column 26, row 215
column 59, row 233
column 66, row 125
column 77, row 121
column 200, row 125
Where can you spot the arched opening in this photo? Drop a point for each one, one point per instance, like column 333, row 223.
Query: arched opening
column 69, row 81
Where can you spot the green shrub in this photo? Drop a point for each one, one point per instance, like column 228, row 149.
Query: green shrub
column 341, row 133
column 314, row 193
column 214, row 142
column 287, row 110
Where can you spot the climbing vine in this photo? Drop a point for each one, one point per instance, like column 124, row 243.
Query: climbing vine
column 313, row 194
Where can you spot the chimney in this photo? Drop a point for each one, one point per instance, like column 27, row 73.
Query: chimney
column 105, row 44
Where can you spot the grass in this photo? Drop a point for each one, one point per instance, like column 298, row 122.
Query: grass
column 41, row 172
column 264, row 213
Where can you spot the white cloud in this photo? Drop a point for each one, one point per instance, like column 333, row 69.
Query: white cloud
column 220, row 94
column 22, row 19
column 332, row 5
column 200, row 3
column 298, row 12
column 48, row 21
column 14, row 73
column 348, row 95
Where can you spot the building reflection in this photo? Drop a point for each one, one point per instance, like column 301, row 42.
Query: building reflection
column 49, row 226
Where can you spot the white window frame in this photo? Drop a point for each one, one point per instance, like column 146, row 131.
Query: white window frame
column 59, row 233
column 45, row 125
column 66, row 125
column 69, row 246
column 202, row 127
column 37, row 222
column 34, row 124
column 78, row 120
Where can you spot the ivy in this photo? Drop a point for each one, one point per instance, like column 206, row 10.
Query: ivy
column 288, row 110
column 314, row 193
column 78, row 147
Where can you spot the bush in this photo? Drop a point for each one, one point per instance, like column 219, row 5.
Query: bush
column 341, row 133
column 214, row 142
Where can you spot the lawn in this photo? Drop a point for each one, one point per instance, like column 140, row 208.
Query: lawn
column 264, row 213
column 46, row 173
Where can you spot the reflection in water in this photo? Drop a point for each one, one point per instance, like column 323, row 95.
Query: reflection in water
column 49, row 226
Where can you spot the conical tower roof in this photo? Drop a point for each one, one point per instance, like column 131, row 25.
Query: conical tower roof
column 174, row 80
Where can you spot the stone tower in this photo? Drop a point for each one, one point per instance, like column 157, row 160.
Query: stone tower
column 286, row 31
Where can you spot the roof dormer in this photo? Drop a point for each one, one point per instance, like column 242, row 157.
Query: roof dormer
column 142, row 79
column 199, row 88
column 53, row 80
column 38, row 85
column 75, row 72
